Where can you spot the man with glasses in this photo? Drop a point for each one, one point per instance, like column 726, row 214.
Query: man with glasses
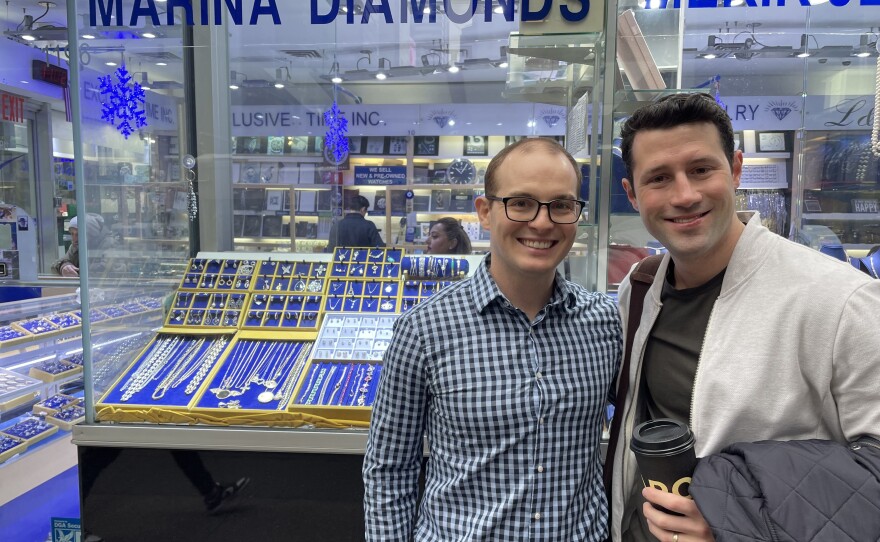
column 506, row 373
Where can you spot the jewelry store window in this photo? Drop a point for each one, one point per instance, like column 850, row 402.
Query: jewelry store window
column 229, row 153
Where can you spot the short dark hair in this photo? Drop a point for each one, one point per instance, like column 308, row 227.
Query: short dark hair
column 672, row 111
column 528, row 145
column 356, row 203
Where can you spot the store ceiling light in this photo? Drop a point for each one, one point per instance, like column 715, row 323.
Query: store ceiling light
column 28, row 37
column 454, row 69
column 148, row 35
column 110, row 63
column 384, row 65
column 161, row 63
column 336, row 79
column 88, row 37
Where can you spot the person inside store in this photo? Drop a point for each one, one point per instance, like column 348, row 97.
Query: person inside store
column 446, row 236
column 744, row 335
column 506, row 373
column 98, row 236
column 354, row 230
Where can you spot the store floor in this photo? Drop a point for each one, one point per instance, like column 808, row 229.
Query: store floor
column 28, row 517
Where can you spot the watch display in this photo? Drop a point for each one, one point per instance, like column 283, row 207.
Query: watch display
column 461, row 171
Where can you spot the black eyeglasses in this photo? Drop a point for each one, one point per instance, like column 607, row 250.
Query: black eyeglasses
column 524, row 209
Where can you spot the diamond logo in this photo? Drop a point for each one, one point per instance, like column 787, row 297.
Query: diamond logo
column 551, row 120
column 781, row 109
column 443, row 118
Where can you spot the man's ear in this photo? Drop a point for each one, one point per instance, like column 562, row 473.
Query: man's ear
column 482, row 206
column 630, row 193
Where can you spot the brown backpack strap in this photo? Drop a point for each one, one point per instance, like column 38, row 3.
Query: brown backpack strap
column 641, row 280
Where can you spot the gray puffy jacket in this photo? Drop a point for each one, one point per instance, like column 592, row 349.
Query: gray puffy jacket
column 800, row 490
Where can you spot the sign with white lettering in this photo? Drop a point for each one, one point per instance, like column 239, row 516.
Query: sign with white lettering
column 865, row 206
column 379, row 175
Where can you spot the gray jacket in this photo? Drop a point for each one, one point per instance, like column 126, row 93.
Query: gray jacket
column 791, row 351
column 799, row 491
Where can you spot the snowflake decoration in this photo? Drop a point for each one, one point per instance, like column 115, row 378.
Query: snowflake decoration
column 125, row 100
column 337, row 127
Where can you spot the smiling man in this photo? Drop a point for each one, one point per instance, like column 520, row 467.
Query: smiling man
column 506, row 373
column 744, row 335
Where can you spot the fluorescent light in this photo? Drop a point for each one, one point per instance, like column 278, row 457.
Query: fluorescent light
column 88, row 37
column 803, row 55
column 110, row 63
column 863, row 54
column 161, row 63
column 28, row 37
column 233, row 87
column 25, row 82
column 336, row 79
column 279, row 85
column 503, row 64
column 454, row 69
column 710, row 55
column 451, row 122
column 381, row 76
column 148, row 35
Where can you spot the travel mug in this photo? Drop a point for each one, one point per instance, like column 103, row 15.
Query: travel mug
column 664, row 450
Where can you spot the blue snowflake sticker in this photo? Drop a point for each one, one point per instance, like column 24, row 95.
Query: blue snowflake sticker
column 337, row 127
column 124, row 102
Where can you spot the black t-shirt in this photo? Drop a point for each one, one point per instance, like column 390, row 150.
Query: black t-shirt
column 673, row 348
column 669, row 367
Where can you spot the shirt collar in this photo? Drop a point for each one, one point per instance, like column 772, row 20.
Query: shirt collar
column 485, row 290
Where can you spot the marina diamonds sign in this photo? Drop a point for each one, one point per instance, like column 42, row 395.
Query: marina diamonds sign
column 252, row 12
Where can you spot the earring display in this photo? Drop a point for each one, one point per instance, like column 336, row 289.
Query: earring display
column 10, row 447
column 257, row 374
column 37, row 326
column 285, row 311
column 16, row 389
column 361, row 337
column 9, row 333
column 304, row 277
column 206, row 309
column 67, row 417
column 68, row 320
column 55, row 403
column 31, row 430
column 53, row 370
column 218, row 274
column 363, row 280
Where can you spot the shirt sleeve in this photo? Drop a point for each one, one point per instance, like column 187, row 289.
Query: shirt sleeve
column 856, row 372
column 332, row 239
column 72, row 253
column 394, row 448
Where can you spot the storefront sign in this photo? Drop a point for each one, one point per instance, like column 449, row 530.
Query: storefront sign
column 843, row 113
column 325, row 12
column 379, row 175
column 692, row 4
column 145, row 11
column 11, row 107
column 409, row 119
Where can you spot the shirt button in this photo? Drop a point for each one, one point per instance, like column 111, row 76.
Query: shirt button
column 538, row 375
column 537, row 515
column 540, row 468
column 541, row 420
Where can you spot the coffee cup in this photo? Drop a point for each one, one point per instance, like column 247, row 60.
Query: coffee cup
column 664, row 450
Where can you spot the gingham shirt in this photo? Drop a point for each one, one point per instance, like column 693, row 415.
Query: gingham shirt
column 512, row 410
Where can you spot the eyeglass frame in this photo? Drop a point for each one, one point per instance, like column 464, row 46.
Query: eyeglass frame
column 504, row 201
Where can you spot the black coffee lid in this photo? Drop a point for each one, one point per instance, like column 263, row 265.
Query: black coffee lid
column 662, row 434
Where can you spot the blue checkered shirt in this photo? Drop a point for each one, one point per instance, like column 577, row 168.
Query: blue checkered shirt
column 513, row 414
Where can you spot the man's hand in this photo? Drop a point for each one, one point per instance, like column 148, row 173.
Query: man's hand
column 689, row 527
column 69, row 270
